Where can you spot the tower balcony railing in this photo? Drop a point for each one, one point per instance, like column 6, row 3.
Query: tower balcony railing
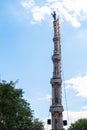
column 56, row 57
column 56, row 80
column 58, row 108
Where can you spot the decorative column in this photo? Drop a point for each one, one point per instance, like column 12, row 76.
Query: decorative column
column 56, row 108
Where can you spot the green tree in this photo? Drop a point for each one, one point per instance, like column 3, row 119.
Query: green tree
column 15, row 111
column 81, row 124
column 37, row 125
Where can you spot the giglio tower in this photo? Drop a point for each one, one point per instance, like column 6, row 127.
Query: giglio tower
column 56, row 108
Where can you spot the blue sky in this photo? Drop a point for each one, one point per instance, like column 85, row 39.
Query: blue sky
column 26, row 47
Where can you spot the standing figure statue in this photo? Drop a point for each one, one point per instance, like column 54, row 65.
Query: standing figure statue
column 54, row 15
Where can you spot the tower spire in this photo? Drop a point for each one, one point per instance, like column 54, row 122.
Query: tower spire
column 56, row 108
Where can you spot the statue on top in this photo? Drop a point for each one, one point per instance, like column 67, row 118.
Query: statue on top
column 54, row 15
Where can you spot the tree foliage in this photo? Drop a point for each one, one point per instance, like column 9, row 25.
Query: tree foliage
column 81, row 124
column 15, row 111
column 37, row 125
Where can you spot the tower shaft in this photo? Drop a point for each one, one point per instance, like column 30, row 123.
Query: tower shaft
column 56, row 108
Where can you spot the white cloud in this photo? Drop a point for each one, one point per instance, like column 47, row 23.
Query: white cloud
column 74, row 116
column 50, row 1
column 79, row 84
column 39, row 13
column 73, row 11
column 27, row 3
column 84, row 107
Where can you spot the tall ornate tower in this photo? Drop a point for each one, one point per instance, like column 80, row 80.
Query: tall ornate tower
column 56, row 108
